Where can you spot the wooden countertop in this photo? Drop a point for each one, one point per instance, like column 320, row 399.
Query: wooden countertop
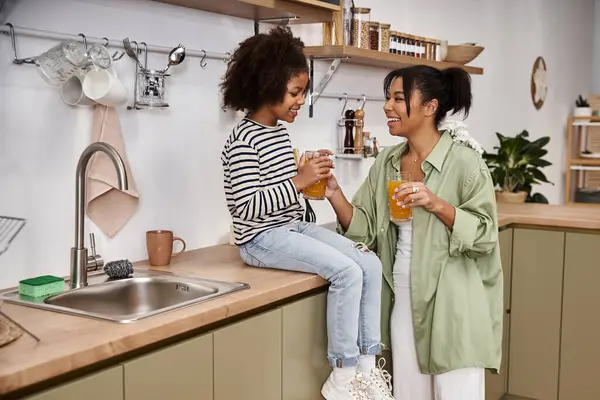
column 549, row 216
column 70, row 342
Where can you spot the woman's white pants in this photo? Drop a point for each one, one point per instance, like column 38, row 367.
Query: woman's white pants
column 408, row 382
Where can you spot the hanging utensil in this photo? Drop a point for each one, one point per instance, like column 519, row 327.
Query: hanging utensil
column 131, row 52
column 176, row 57
column 9, row 229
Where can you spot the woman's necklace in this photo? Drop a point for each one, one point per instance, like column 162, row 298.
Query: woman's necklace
column 413, row 157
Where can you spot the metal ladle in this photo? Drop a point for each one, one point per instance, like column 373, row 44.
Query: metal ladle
column 176, row 57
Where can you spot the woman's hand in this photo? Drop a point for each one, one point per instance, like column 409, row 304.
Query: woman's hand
column 416, row 194
column 332, row 186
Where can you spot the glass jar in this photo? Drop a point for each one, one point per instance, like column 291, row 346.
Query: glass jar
column 417, row 46
column 410, row 45
column 374, row 35
column 361, row 17
column 367, row 144
column 426, row 48
column 400, row 43
column 384, row 37
column 395, row 42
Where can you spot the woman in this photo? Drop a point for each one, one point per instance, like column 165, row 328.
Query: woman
column 442, row 296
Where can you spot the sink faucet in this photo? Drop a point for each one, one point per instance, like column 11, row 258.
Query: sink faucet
column 80, row 261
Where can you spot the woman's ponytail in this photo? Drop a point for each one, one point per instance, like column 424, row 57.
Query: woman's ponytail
column 458, row 88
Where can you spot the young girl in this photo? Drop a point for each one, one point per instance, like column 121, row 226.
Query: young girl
column 267, row 77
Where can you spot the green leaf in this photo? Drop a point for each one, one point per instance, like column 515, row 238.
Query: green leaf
column 541, row 142
column 538, row 162
column 539, row 175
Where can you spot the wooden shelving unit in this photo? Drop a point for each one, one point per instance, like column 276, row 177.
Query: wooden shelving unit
column 579, row 169
column 306, row 11
column 379, row 59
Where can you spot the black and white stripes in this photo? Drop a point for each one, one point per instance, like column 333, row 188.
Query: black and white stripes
column 258, row 164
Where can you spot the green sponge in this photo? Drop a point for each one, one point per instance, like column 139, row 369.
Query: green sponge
column 44, row 285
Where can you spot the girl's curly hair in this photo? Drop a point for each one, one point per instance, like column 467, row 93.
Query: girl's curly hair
column 260, row 68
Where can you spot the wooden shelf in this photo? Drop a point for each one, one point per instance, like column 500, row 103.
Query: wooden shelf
column 379, row 59
column 349, row 156
column 307, row 11
column 585, row 121
column 580, row 171
column 591, row 119
column 594, row 162
column 320, row 4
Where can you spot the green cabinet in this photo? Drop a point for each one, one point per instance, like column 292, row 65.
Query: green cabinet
column 247, row 359
column 178, row 372
column 536, row 309
column 496, row 385
column 103, row 385
column 305, row 366
column 580, row 350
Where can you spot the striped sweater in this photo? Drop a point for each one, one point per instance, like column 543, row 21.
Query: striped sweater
column 258, row 164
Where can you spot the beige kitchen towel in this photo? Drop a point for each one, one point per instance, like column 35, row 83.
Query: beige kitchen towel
column 107, row 206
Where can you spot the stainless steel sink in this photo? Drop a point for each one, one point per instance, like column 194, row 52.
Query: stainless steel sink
column 145, row 294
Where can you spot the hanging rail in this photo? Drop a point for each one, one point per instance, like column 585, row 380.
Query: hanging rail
column 12, row 31
column 42, row 34
column 342, row 96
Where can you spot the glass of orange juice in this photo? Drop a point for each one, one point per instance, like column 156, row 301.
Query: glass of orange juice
column 397, row 213
column 316, row 191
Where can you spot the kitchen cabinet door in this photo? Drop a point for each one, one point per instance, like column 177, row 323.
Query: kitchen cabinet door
column 496, row 386
column 107, row 384
column 178, row 372
column 580, row 350
column 247, row 358
column 305, row 366
column 535, row 317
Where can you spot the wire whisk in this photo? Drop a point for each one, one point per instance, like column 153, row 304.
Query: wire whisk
column 9, row 229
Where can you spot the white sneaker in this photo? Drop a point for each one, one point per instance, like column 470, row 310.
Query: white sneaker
column 355, row 390
column 379, row 383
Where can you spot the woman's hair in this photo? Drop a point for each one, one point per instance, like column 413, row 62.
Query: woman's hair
column 260, row 68
column 451, row 87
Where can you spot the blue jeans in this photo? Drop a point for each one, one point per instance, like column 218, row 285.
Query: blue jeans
column 353, row 301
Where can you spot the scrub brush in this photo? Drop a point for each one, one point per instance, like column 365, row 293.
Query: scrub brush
column 119, row 269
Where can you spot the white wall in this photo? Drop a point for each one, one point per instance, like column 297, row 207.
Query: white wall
column 596, row 53
column 175, row 153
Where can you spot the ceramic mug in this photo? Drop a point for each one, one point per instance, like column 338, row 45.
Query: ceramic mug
column 159, row 244
column 104, row 87
column 72, row 91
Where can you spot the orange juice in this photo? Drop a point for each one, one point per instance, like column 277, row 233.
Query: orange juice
column 316, row 191
column 397, row 213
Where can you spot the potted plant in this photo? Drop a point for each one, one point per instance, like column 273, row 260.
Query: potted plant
column 516, row 167
column 582, row 108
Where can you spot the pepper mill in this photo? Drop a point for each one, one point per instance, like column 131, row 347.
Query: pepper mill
column 359, row 115
column 349, row 139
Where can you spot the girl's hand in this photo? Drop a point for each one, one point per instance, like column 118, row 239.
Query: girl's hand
column 416, row 194
column 311, row 171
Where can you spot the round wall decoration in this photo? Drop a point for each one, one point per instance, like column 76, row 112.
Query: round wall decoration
column 539, row 83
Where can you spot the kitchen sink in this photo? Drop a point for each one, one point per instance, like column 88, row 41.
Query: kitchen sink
column 145, row 293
